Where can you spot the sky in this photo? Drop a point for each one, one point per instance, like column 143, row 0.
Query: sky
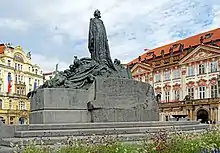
column 55, row 31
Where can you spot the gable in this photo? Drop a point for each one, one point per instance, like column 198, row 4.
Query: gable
column 141, row 68
column 200, row 53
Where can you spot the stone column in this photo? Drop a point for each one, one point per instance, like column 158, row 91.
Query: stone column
column 216, row 114
column 211, row 113
column 191, row 113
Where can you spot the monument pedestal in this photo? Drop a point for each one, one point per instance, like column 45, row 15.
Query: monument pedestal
column 110, row 100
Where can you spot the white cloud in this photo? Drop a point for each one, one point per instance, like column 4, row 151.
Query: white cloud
column 48, row 64
column 14, row 24
column 216, row 19
column 132, row 25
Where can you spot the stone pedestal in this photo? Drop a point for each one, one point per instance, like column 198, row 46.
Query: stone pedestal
column 111, row 100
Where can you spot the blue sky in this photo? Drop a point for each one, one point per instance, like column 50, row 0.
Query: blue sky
column 54, row 31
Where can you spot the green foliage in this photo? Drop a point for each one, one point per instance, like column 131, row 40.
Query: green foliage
column 162, row 142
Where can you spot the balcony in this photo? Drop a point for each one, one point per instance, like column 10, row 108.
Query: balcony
column 190, row 102
column 18, row 112
column 19, row 83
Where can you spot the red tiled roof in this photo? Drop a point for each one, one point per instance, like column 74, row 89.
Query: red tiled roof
column 190, row 41
column 2, row 48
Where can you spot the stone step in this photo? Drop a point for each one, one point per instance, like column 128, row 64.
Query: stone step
column 102, row 131
column 4, row 149
column 102, row 125
column 128, row 138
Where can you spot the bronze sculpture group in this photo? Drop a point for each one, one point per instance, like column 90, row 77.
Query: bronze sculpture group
column 82, row 72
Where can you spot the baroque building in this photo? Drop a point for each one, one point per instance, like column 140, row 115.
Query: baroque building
column 18, row 76
column 184, row 75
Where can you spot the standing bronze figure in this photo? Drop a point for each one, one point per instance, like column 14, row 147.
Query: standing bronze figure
column 98, row 42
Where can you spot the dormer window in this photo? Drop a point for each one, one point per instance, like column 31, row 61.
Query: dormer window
column 175, row 46
column 162, row 53
column 208, row 35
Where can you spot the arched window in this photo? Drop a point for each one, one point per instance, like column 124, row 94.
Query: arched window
column 18, row 57
column 1, row 103
column 21, row 105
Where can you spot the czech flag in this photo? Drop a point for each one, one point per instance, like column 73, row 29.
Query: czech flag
column 9, row 83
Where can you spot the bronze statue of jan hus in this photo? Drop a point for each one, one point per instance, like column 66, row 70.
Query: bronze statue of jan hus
column 98, row 42
column 82, row 72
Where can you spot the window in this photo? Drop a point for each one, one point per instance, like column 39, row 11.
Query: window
column 29, row 80
column 19, row 78
column 214, row 91
column 167, row 96
column 202, row 92
column 146, row 79
column 29, row 69
column 1, row 104
column 201, row 68
column 16, row 66
column 22, row 78
column 21, row 105
column 214, row 66
column 157, row 77
column 141, row 79
column 16, row 78
column 208, row 35
column 18, row 90
column 21, row 67
column 9, row 62
column 36, row 71
column 22, row 91
column 166, row 75
column 190, row 71
column 191, row 93
column 10, row 105
column 176, row 73
column 177, row 95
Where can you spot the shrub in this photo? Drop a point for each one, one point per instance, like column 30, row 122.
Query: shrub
column 161, row 142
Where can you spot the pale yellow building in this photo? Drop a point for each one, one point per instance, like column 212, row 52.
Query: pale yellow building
column 18, row 76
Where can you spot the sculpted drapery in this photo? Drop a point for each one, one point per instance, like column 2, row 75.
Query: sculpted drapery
column 98, row 42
